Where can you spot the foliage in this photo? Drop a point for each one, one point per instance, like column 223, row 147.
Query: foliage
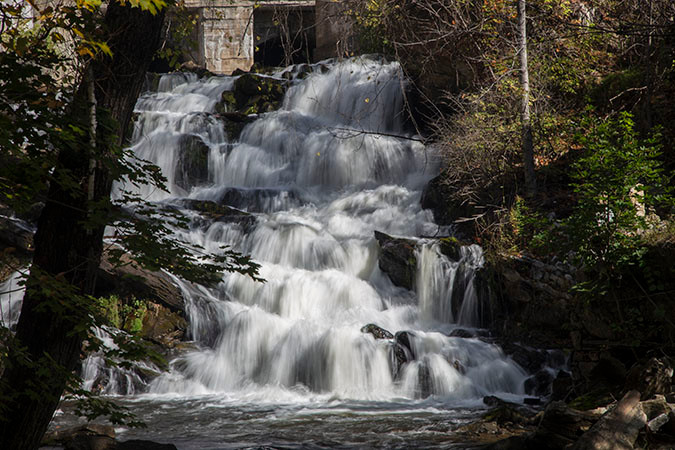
column 127, row 316
column 616, row 179
column 46, row 50
column 532, row 231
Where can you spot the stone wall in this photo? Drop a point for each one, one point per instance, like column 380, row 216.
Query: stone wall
column 227, row 30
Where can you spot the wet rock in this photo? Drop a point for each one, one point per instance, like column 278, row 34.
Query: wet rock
column 192, row 165
column 439, row 195
column 193, row 67
column 253, row 94
column 397, row 259
column 234, row 123
column 91, row 436
column 424, row 381
column 397, row 357
column 506, row 412
column 138, row 444
column 451, row 247
column 401, row 351
column 16, row 234
column 562, row 386
column 404, row 339
column 162, row 325
column 377, row 332
column 259, row 199
column 214, row 212
column 129, row 280
column 616, row 429
column 462, row 333
column 539, row 384
column 530, row 359
column 650, row 378
column 297, row 72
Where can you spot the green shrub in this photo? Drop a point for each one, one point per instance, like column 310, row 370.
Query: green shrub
column 616, row 180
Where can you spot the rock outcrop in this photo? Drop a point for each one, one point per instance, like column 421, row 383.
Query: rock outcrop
column 397, row 259
column 616, row 429
column 253, row 94
column 377, row 332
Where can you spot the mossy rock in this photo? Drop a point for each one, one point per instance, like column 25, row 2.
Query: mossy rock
column 161, row 325
column 253, row 94
column 214, row 212
column 451, row 247
column 192, row 167
column 152, row 81
column 592, row 400
column 397, row 259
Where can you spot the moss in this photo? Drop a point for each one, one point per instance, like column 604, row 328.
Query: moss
column 110, row 309
column 592, row 400
column 132, row 314
column 451, row 247
column 127, row 316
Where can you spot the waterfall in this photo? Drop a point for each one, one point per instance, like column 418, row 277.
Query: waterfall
column 11, row 296
column 333, row 164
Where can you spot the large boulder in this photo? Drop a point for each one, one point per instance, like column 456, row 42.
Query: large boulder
column 85, row 437
column 446, row 208
column 618, row 428
column 377, row 332
column 192, row 165
column 128, row 280
column 253, row 94
column 397, row 259
column 213, row 212
column 163, row 326
column 401, row 351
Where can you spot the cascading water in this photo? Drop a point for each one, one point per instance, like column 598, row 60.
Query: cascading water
column 320, row 175
column 11, row 296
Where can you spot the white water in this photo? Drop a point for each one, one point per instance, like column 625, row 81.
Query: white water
column 319, row 182
column 11, row 296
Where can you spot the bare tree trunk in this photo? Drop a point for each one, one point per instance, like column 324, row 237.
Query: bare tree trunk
column 526, row 144
column 68, row 243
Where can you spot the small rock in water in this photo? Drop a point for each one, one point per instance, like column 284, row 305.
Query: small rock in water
column 138, row 444
column 404, row 339
column 539, row 384
column 377, row 332
column 462, row 333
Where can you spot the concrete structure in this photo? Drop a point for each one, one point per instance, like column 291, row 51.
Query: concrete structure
column 235, row 34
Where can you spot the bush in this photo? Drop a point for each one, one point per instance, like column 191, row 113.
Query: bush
column 616, row 180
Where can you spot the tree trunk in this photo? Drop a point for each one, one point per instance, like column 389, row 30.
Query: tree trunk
column 526, row 144
column 68, row 241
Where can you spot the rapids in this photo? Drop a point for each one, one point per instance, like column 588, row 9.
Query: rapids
column 284, row 362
